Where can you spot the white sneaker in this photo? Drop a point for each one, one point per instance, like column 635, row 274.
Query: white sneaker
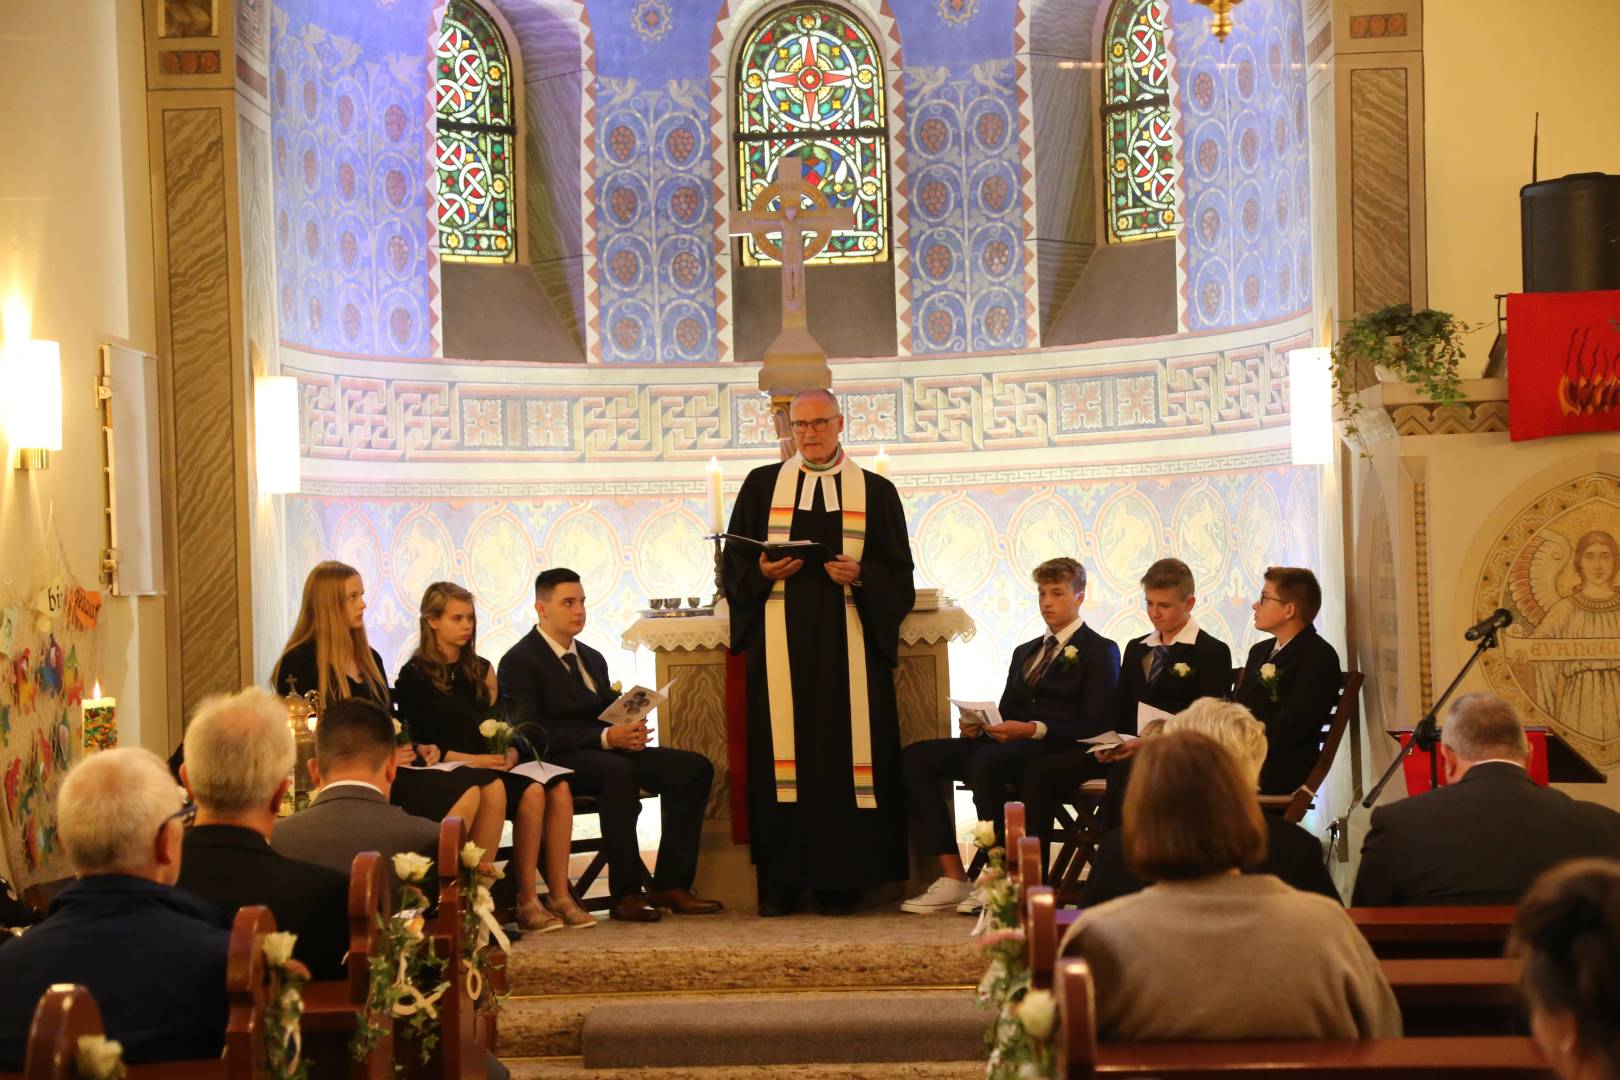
column 972, row 904
column 945, row 894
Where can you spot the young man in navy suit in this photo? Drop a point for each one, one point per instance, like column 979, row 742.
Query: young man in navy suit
column 1059, row 689
column 1167, row 670
column 560, row 686
column 1291, row 681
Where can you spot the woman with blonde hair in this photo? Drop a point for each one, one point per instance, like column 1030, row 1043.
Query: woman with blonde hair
column 328, row 653
column 1293, row 965
column 1292, row 853
column 445, row 691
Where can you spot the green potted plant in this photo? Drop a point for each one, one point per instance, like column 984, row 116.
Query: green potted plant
column 1421, row 348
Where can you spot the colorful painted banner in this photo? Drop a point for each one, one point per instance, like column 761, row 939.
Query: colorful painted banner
column 1563, row 363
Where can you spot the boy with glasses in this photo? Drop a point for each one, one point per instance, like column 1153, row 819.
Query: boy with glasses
column 1291, row 681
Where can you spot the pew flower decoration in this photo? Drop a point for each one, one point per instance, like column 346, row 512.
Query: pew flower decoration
column 1023, row 1049
column 96, row 1057
column 1268, row 679
column 480, row 930
column 405, row 977
column 984, row 835
column 284, row 1010
column 1183, row 671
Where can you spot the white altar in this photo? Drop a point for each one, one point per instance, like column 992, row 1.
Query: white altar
column 692, row 649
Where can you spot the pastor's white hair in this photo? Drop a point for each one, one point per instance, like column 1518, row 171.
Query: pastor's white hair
column 1230, row 724
column 110, row 809
column 238, row 748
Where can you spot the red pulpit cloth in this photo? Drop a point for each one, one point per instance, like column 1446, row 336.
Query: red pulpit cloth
column 1416, row 765
column 1563, row 363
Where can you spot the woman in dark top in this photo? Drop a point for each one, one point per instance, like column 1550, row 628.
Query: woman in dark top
column 329, row 654
column 445, row 691
column 1292, row 854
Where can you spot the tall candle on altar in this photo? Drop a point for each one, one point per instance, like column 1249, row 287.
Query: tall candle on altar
column 881, row 465
column 100, row 721
column 716, row 485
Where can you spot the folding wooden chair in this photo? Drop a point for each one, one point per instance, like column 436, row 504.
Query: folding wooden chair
column 1293, row 807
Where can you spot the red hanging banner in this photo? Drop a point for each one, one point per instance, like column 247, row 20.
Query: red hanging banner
column 1563, row 363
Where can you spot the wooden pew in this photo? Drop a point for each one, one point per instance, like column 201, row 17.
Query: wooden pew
column 1040, row 934
column 332, row 1006
column 67, row 1012
column 1080, row 1057
column 1434, row 932
column 459, row 1053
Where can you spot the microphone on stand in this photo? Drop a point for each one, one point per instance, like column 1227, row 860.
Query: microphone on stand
column 1498, row 619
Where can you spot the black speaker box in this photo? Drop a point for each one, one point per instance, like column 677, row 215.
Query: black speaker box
column 1570, row 233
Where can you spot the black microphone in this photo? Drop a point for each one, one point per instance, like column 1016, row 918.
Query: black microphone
column 1490, row 624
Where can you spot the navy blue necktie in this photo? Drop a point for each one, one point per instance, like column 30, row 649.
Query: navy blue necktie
column 1161, row 653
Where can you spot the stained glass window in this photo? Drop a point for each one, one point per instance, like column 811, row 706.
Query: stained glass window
column 810, row 82
column 474, row 138
column 1140, row 159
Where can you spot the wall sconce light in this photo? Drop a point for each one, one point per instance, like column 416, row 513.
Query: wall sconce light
column 31, row 380
column 1310, row 406
column 275, row 423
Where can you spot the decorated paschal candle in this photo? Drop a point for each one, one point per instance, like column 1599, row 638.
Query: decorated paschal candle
column 100, row 722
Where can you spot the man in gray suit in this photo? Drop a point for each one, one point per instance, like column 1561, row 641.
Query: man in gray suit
column 354, row 767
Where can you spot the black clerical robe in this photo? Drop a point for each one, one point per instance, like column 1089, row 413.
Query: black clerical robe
column 823, row 841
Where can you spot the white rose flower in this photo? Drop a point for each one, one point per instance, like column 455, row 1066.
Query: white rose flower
column 1070, row 652
column 409, row 866
column 1036, row 1012
column 471, row 855
column 278, row 947
column 398, row 727
column 1268, row 671
column 616, row 686
column 98, row 1057
column 488, row 727
column 1182, row 671
column 984, row 834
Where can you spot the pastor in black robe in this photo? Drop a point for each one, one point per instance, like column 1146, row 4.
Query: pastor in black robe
column 823, row 842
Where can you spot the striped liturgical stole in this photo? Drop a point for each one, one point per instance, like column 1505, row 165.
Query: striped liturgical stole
column 778, row 663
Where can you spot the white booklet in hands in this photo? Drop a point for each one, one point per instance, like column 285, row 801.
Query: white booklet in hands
column 635, row 704
column 977, row 715
column 1146, row 714
column 1107, row 740
column 539, row 771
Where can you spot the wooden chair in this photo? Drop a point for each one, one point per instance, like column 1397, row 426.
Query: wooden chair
column 331, row 1007
column 1078, row 834
column 1434, row 932
column 1080, row 1057
column 587, row 804
column 67, row 1012
column 1294, row 807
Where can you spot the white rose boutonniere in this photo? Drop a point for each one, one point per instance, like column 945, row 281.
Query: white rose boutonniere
column 1068, row 657
column 409, row 866
column 97, row 1057
column 1036, row 1011
column 278, row 948
column 1268, row 679
column 616, row 686
column 1183, row 671
column 471, row 855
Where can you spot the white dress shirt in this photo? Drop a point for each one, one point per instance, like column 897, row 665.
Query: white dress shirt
column 1185, row 636
column 348, row 783
column 572, row 650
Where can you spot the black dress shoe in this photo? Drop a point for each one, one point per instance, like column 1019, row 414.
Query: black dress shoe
column 834, row 903
column 777, row 901
column 634, row 908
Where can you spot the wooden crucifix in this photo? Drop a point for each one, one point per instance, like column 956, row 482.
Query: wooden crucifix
column 795, row 360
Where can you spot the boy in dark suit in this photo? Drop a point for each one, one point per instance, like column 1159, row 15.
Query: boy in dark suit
column 1167, row 670
column 559, row 686
column 1059, row 690
column 1291, row 682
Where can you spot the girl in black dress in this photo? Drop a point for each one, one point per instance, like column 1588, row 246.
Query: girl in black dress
column 445, row 691
column 328, row 653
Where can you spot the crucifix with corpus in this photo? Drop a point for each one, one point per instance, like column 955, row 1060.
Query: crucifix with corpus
column 795, row 360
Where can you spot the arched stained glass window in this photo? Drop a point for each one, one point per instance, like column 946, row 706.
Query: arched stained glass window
column 810, row 82
column 1139, row 152
column 475, row 138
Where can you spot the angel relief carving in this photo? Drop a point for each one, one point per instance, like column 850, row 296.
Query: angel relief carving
column 1560, row 660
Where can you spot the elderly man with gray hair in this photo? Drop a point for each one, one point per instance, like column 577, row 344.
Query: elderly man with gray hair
column 1489, row 833
column 152, row 955
column 1293, row 855
column 238, row 765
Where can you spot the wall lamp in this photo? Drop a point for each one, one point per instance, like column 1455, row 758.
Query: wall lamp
column 1310, row 406
column 275, row 426
column 31, row 381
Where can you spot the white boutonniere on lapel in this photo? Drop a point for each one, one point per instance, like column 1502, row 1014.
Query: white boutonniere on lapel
column 1067, row 658
column 1182, row 671
column 1268, row 679
column 617, row 687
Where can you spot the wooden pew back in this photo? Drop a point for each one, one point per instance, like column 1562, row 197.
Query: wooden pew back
column 333, row 1007
column 1040, row 934
column 1434, row 932
column 246, row 987
column 1015, row 825
column 459, row 1054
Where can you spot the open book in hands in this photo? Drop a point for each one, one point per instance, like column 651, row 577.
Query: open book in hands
column 635, row 704
column 976, row 716
column 811, row 551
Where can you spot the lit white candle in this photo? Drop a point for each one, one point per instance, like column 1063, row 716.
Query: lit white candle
column 881, row 465
column 716, row 484
column 99, row 721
